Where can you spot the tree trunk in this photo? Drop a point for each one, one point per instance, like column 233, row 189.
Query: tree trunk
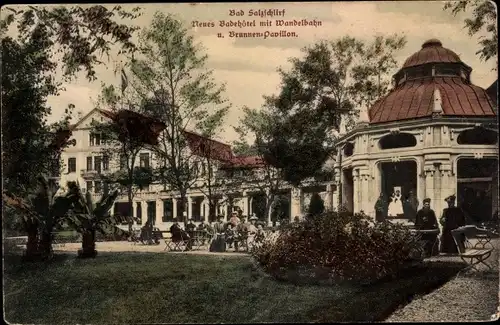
column 32, row 243
column 130, row 210
column 182, row 208
column 212, row 211
column 45, row 245
column 88, row 245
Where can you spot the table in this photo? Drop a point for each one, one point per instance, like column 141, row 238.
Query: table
column 483, row 239
column 429, row 232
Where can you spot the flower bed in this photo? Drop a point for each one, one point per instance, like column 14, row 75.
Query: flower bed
column 339, row 247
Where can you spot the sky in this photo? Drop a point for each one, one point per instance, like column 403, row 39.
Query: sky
column 248, row 65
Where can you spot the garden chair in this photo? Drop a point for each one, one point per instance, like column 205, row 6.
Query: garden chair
column 178, row 244
column 472, row 255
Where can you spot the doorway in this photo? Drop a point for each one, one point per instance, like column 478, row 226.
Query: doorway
column 477, row 188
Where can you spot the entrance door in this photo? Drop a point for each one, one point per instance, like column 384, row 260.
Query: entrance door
column 400, row 176
column 348, row 190
column 477, row 188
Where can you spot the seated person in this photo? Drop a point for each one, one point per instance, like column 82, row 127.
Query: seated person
column 205, row 230
column 178, row 234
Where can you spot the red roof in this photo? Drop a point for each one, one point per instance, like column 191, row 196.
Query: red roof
column 206, row 147
column 414, row 99
column 432, row 52
column 246, row 162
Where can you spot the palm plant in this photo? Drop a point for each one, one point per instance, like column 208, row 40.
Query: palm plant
column 88, row 218
column 40, row 213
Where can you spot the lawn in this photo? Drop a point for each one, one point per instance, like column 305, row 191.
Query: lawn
column 175, row 288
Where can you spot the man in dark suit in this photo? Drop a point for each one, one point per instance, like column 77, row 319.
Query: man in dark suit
column 426, row 220
column 178, row 234
column 453, row 217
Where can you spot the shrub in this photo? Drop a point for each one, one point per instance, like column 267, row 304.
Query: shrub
column 349, row 247
column 316, row 205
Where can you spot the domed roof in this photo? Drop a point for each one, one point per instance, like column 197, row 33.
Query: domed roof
column 432, row 52
column 417, row 98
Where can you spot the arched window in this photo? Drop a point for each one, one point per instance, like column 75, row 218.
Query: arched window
column 478, row 135
column 348, row 149
column 399, row 140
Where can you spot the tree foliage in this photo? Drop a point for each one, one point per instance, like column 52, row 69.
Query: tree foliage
column 46, row 40
column 483, row 20
column 168, row 81
column 331, row 82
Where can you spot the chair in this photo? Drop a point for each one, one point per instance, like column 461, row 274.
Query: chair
column 476, row 254
column 179, row 244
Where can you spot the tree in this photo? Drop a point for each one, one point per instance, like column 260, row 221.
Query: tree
column 41, row 213
column 124, row 136
column 316, row 205
column 333, row 80
column 263, row 177
column 88, row 217
column 169, row 82
column 484, row 19
column 29, row 64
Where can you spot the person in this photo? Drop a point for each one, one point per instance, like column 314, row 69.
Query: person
column 452, row 218
column 178, row 234
column 231, row 236
column 242, row 230
column 381, row 208
column 426, row 220
column 190, row 229
column 234, row 220
column 260, row 235
column 396, row 206
column 411, row 205
column 203, row 228
column 252, row 227
column 218, row 243
column 296, row 219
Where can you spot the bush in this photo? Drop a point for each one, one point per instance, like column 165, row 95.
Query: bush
column 316, row 205
column 348, row 247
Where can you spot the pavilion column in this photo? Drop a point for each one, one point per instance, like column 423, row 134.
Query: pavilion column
column 144, row 211
column 245, row 203
column 295, row 202
column 356, row 190
column 225, row 207
column 338, row 194
column 189, row 207
column 134, row 212
column 250, row 205
column 174, row 207
column 329, row 197
column 159, row 212
column 205, row 208
column 366, row 202
column 448, row 183
column 269, row 222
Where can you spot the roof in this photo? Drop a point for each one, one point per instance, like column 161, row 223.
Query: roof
column 416, row 98
column 209, row 148
column 245, row 162
column 432, row 52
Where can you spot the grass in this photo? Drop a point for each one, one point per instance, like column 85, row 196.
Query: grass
column 175, row 288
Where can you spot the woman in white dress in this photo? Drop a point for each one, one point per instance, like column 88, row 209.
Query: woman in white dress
column 396, row 204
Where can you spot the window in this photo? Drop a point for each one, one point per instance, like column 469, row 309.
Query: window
column 89, row 163
column 71, row 165
column 98, row 186
column 95, row 139
column 477, row 136
column 89, row 186
column 123, row 161
column 138, row 213
column 97, row 164
column 151, row 209
column 401, row 140
column 105, row 163
column 203, row 169
column 168, row 211
column 144, row 160
column 349, row 149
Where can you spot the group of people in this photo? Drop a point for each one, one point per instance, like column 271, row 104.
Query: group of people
column 221, row 235
column 396, row 206
column 452, row 218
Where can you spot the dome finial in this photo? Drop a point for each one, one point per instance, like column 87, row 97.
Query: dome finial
column 432, row 42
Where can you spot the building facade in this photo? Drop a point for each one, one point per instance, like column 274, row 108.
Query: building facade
column 238, row 184
column 435, row 134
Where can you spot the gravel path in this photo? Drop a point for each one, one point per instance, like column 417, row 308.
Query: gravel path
column 120, row 246
column 472, row 296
